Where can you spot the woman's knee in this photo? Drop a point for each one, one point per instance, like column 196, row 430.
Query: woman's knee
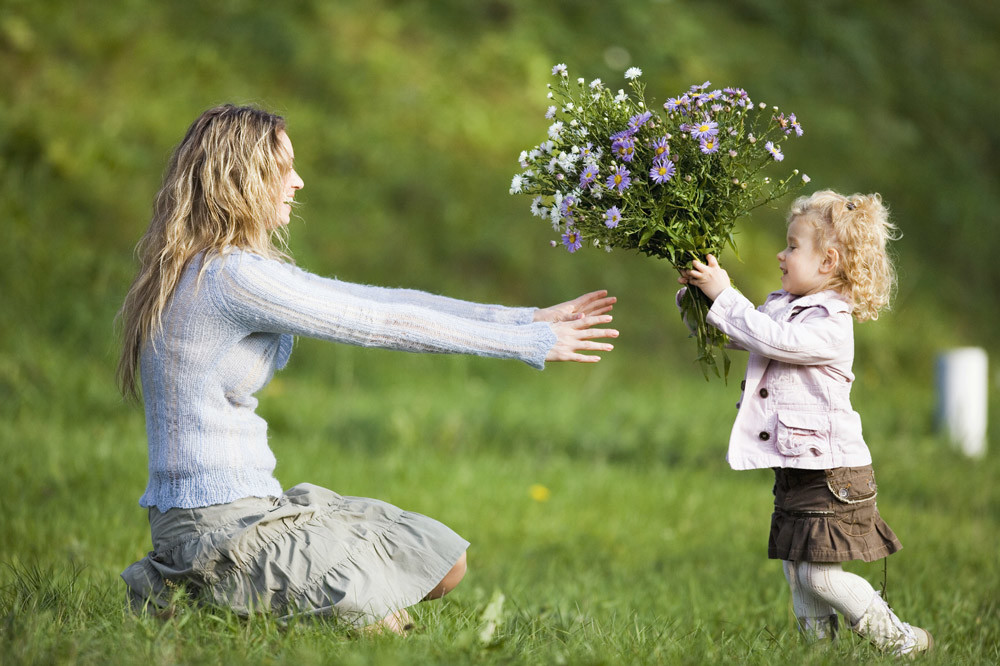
column 451, row 579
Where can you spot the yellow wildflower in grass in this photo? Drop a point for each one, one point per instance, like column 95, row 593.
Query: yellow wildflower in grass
column 539, row 493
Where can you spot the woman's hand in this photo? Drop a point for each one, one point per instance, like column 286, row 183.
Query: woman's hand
column 711, row 278
column 588, row 305
column 575, row 335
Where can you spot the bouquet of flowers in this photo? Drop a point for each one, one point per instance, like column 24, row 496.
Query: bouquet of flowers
column 671, row 183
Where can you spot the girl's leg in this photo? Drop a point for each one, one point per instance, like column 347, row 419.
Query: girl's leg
column 450, row 580
column 850, row 594
column 863, row 608
column 816, row 618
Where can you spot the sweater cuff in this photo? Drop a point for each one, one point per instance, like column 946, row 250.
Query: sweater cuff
column 545, row 342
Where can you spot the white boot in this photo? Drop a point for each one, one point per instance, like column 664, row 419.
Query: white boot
column 881, row 626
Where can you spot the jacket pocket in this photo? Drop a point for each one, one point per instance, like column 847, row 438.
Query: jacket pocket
column 803, row 433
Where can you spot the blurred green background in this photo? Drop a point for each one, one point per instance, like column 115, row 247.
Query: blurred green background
column 408, row 117
column 407, row 120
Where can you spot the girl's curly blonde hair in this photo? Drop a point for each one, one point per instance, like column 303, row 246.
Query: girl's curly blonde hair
column 858, row 228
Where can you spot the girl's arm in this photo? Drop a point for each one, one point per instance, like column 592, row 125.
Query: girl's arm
column 817, row 337
column 732, row 344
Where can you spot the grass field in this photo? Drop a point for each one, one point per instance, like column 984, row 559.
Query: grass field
column 606, row 526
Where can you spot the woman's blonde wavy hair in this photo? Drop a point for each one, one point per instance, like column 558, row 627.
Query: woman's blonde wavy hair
column 221, row 190
column 858, row 227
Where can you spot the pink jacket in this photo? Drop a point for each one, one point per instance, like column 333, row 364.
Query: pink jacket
column 795, row 410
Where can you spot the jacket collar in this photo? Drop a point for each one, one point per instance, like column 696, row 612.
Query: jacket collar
column 829, row 299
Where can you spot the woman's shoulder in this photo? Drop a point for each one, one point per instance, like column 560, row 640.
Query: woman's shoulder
column 238, row 261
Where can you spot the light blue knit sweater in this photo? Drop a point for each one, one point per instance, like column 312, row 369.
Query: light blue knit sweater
column 224, row 336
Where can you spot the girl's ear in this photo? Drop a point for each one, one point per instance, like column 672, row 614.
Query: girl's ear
column 830, row 261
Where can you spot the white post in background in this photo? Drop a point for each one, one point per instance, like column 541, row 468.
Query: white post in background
column 962, row 387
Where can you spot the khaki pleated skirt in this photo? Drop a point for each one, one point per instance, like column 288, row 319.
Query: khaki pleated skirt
column 308, row 551
column 828, row 516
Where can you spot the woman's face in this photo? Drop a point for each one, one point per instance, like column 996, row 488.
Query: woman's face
column 291, row 184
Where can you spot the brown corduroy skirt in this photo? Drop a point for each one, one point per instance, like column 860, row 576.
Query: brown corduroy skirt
column 308, row 551
column 828, row 516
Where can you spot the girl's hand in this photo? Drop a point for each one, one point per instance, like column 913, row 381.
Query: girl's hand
column 576, row 335
column 711, row 278
column 588, row 305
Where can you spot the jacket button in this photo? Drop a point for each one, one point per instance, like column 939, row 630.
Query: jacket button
column 765, row 436
column 763, row 393
column 743, row 385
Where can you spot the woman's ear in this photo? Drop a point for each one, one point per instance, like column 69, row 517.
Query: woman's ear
column 830, row 261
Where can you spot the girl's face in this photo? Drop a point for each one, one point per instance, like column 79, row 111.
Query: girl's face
column 804, row 270
column 291, row 184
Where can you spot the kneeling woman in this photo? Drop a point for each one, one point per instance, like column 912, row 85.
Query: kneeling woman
column 210, row 317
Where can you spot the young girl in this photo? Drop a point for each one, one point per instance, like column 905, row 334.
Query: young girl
column 210, row 317
column 795, row 414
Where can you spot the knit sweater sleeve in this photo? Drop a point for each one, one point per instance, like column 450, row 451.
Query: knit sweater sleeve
column 452, row 306
column 263, row 295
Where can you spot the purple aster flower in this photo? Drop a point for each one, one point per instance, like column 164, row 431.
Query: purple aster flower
column 679, row 104
column 560, row 69
column 619, row 180
column 660, row 148
column 612, row 217
column 637, row 121
column 774, row 150
column 588, row 176
column 621, row 135
column 571, row 239
column 796, row 125
column 662, row 171
column 706, row 128
column 624, row 148
column 568, row 208
column 739, row 95
column 709, row 144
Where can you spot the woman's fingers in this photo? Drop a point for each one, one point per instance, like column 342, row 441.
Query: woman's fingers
column 603, row 305
column 592, row 320
column 582, row 358
column 572, row 337
column 596, row 302
column 595, row 346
